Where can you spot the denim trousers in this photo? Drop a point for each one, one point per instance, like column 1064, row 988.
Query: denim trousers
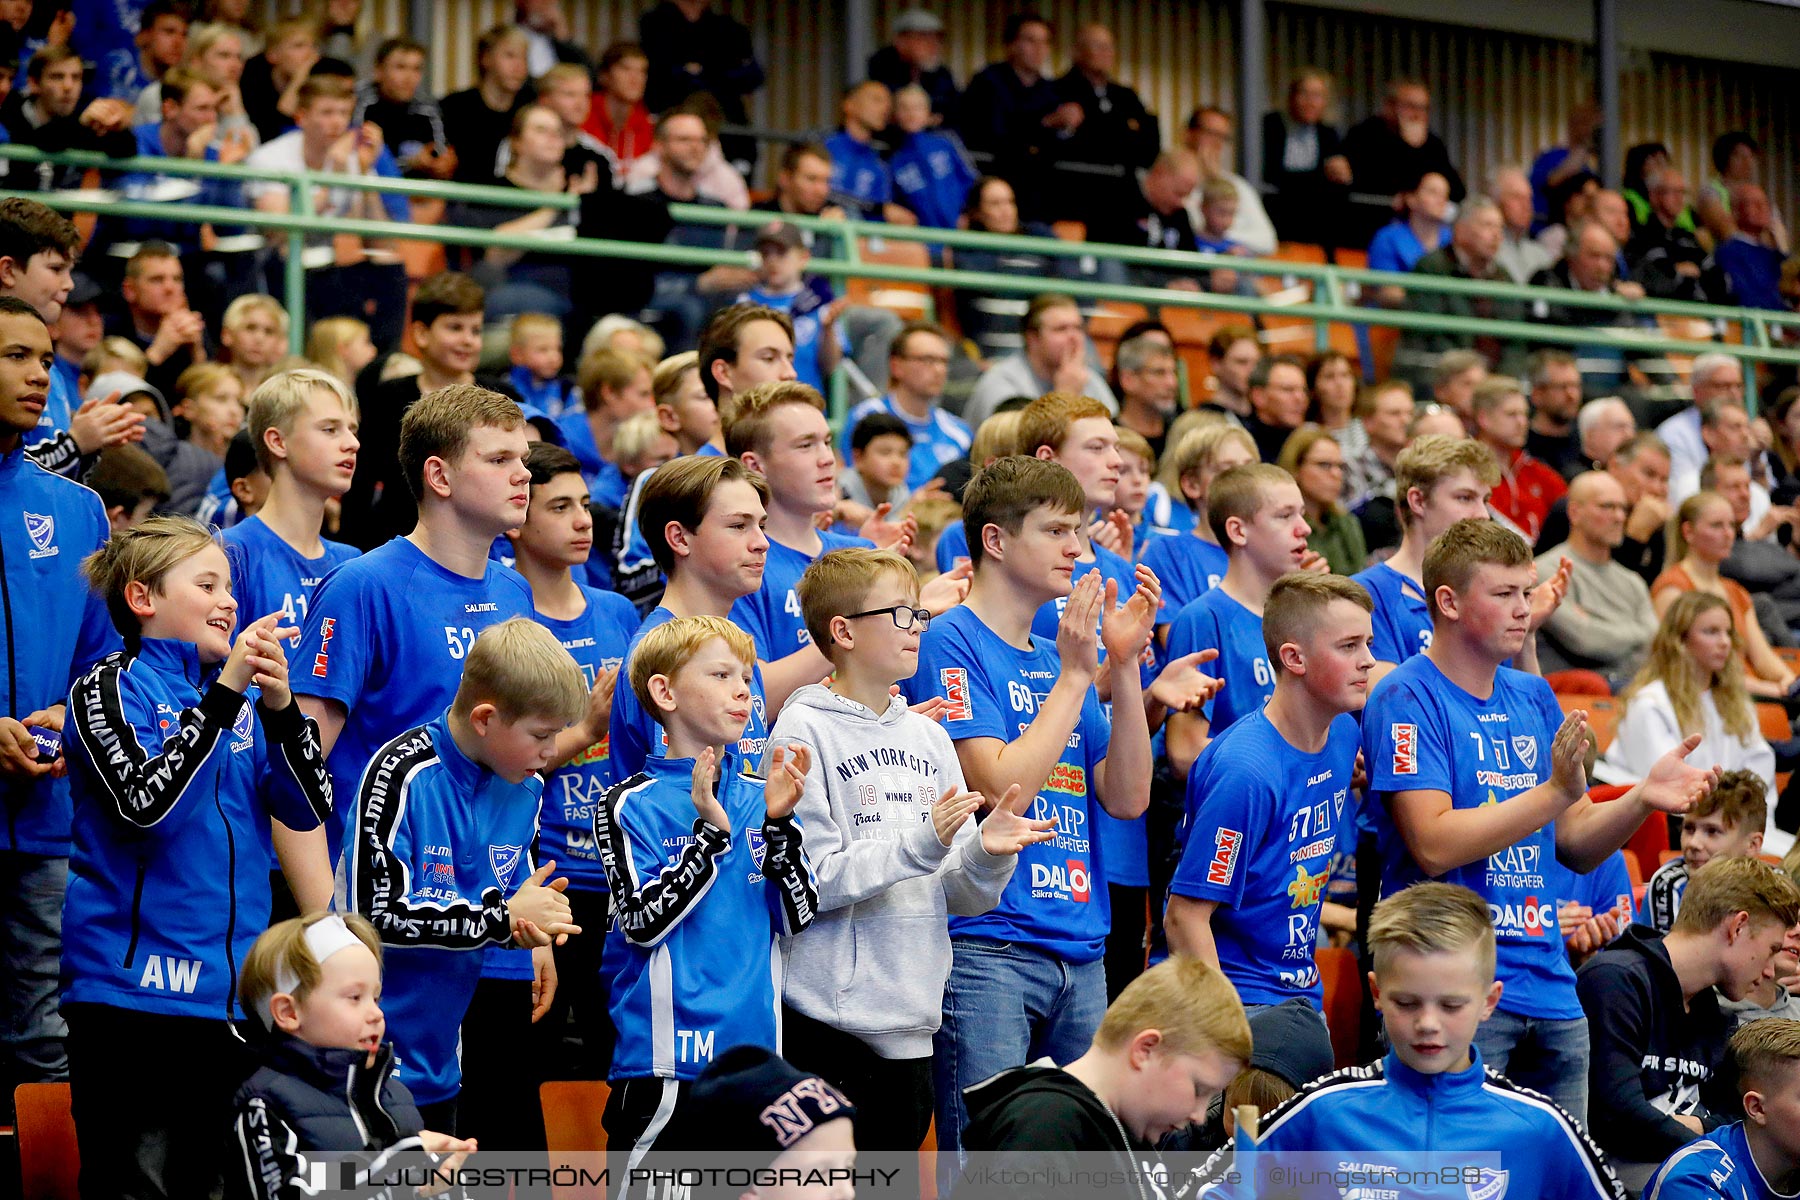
column 1005, row 1005
column 31, row 898
column 1544, row 1055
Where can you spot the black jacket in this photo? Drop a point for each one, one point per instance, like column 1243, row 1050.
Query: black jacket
column 1036, row 1115
column 1649, row 1055
column 308, row 1099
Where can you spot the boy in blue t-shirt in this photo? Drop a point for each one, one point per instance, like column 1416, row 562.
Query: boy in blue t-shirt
column 708, row 874
column 441, row 859
column 1758, row 1158
column 820, row 342
column 594, row 627
column 1027, row 977
column 536, row 352
column 1191, row 566
column 932, row 172
column 1477, row 777
column 703, row 519
column 1258, row 516
column 386, row 634
column 1265, row 798
column 1438, row 481
column 302, row 425
column 1435, row 1097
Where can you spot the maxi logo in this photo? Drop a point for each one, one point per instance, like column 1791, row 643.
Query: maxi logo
column 1406, row 749
column 322, row 660
column 1226, row 844
column 955, row 681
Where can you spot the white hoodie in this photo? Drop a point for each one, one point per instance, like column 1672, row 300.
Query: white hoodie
column 874, row 962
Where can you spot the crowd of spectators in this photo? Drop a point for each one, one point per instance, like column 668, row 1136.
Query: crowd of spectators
column 1654, row 514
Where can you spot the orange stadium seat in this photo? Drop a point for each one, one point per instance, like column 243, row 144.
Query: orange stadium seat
column 1343, row 1001
column 910, row 300
column 49, row 1161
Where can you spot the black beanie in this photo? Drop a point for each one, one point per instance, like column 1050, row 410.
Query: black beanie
column 750, row 1099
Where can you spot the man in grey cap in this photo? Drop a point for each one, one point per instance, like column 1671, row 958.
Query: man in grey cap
column 916, row 57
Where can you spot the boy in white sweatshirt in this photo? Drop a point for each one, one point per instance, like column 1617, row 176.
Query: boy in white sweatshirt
column 892, row 847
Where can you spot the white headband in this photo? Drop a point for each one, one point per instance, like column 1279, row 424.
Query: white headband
column 324, row 938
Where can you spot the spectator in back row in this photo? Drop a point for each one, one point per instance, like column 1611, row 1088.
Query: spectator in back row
column 1012, row 113
column 1605, row 621
column 1389, row 151
column 1527, row 487
column 919, row 364
column 1521, row 254
column 1471, row 253
column 619, row 118
column 1209, row 135
column 932, row 172
column 1555, row 402
column 1421, row 228
column 1664, row 254
column 48, row 116
column 1303, row 162
column 915, row 58
column 1116, row 130
column 693, row 48
column 1054, row 360
column 1153, row 215
column 1714, row 376
column 272, row 79
column 1752, row 267
column 478, row 119
column 408, row 117
column 861, row 182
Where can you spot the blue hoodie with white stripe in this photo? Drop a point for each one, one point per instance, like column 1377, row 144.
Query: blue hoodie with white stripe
column 693, row 953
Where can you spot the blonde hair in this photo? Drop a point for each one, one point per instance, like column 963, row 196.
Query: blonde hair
column 601, row 336
column 1687, row 514
column 204, row 35
column 838, row 583
column 1188, row 1001
column 1241, row 492
column 202, row 377
column 326, row 341
column 666, row 379
column 1132, row 442
column 526, row 324
column 614, row 370
column 238, row 309
column 115, row 353
column 281, row 949
column 996, row 437
column 635, row 436
column 1178, row 432
column 1432, row 459
column 439, row 423
column 1432, row 918
column 1668, row 660
column 1047, row 420
column 1457, row 553
column 673, row 644
column 520, row 668
column 1761, row 1048
column 144, row 554
column 1196, row 454
column 748, row 426
column 1296, row 603
column 934, row 515
column 1738, row 884
column 279, row 400
column 560, row 72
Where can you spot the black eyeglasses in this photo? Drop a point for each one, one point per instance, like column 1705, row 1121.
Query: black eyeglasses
column 905, row 616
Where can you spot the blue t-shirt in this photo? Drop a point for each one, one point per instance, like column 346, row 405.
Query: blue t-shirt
column 952, row 544
column 1421, row 732
column 1056, row 900
column 268, row 575
column 933, row 176
column 1401, row 619
column 1188, row 567
column 859, row 177
column 1717, row 1166
column 1261, row 826
column 635, row 735
column 606, row 483
column 803, row 308
column 1397, row 248
column 938, row 439
column 771, row 614
column 553, row 397
column 1604, row 887
column 1126, row 843
column 597, row 640
column 1166, row 512
column 386, row 636
column 1217, row 622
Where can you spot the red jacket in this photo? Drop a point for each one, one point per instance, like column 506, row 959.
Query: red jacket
column 626, row 141
column 1526, row 490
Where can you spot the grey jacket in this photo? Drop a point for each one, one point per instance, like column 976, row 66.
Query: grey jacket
column 874, row 962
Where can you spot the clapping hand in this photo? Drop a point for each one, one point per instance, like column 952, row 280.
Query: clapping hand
column 787, row 779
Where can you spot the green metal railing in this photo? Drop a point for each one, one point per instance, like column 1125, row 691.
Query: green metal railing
column 1334, row 290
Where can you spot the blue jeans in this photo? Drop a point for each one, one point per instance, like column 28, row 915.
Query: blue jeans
column 1547, row 1056
column 1006, row 1005
column 31, row 1025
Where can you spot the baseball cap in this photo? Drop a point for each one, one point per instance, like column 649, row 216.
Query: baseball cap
column 779, row 233
column 734, row 1103
column 917, row 20
column 127, row 385
column 85, row 291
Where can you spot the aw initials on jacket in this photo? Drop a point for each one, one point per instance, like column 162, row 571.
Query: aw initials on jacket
column 166, row 973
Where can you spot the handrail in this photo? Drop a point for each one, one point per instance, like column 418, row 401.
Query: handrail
column 1327, row 305
column 701, row 214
